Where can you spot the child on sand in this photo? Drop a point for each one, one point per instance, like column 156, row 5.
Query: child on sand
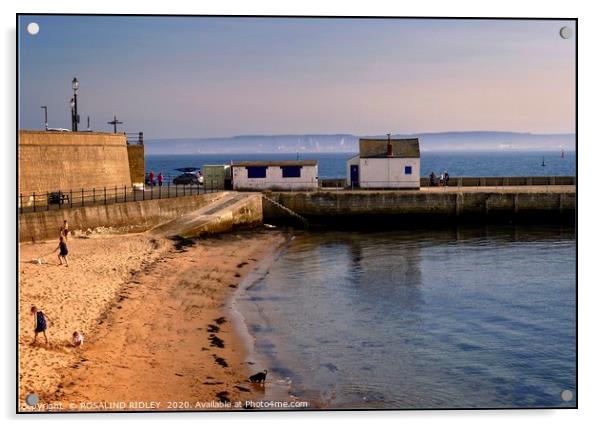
column 64, row 251
column 40, row 323
column 77, row 340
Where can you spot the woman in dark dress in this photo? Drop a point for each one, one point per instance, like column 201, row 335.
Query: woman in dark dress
column 40, row 323
column 63, row 250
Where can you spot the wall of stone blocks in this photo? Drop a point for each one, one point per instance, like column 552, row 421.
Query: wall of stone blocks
column 52, row 161
column 136, row 160
column 336, row 205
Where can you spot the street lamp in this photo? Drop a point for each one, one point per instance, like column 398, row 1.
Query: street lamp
column 45, row 117
column 74, row 115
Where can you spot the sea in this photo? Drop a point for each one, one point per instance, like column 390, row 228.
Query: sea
column 466, row 317
column 445, row 317
column 333, row 165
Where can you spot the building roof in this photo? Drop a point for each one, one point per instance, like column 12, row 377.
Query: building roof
column 277, row 163
column 377, row 148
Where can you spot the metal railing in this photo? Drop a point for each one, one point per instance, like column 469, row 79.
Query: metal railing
column 341, row 183
column 134, row 138
column 74, row 198
column 499, row 181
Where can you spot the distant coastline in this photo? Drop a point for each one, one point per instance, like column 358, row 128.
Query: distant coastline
column 473, row 141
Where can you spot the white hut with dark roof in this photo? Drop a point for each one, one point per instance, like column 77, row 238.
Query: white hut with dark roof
column 385, row 163
column 283, row 175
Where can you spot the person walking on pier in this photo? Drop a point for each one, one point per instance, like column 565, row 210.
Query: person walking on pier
column 432, row 178
column 446, row 178
column 151, row 178
column 160, row 179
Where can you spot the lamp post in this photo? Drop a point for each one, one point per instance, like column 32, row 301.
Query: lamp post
column 74, row 115
column 45, row 117
column 72, row 105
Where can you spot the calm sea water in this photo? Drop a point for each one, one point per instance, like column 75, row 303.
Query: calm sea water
column 333, row 165
column 463, row 317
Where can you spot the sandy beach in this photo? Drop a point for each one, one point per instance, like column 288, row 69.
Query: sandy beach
column 153, row 313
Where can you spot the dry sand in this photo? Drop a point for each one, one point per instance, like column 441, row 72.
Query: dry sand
column 153, row 316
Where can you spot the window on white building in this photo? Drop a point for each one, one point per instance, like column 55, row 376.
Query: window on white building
column 256, row 171
column 291, row 171
column 408, row 170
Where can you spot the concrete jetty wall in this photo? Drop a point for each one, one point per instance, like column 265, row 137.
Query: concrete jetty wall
column 51, row 161
column 122, row 217
column 233, row 211
column 424, row 206
column 136, row 162
column 244, row 214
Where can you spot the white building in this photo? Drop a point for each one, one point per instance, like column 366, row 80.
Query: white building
column 385, row 163
column 277, row 175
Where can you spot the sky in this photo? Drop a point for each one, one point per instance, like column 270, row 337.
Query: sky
column 201, row 77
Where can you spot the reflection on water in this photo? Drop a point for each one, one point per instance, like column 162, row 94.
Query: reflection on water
column 463, row 317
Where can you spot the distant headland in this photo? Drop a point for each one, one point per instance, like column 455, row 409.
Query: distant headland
column 316, row 143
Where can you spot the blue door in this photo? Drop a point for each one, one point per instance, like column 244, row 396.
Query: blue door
column 355, row 175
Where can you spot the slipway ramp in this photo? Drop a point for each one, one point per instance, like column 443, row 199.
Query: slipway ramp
column 233, row 211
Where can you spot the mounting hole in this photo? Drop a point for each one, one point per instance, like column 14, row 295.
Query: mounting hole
column 32, row 399
column 33, row 28
column 566, row 32
column 566, row 395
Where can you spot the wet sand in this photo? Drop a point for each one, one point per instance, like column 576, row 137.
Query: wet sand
column 158, row 334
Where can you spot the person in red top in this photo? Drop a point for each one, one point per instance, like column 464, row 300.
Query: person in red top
column 151, row 178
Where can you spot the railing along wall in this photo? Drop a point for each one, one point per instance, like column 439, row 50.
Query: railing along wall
column 73, row 198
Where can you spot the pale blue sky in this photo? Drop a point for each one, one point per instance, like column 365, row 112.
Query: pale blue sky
column 206, row 77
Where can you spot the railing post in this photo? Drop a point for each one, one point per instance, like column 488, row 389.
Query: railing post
column 21, row 203
column 82, row 197
column 115, row 196
column 105, row 191
column 70, row 198
column 160, row 190
column 48, row 203
column 94, row 195
column 125, row 193
column 34, row 202
column 152, row 188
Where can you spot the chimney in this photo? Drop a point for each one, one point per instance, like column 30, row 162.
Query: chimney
column 389, row 146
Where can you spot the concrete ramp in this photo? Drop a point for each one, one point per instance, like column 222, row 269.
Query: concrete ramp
column 233, row 210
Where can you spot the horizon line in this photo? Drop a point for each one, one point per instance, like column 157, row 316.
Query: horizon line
column 363, row 135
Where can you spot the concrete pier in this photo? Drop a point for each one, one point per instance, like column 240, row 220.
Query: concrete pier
column 232, row 211
column 209, row 213
column 185, row 216
column 507, row 203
